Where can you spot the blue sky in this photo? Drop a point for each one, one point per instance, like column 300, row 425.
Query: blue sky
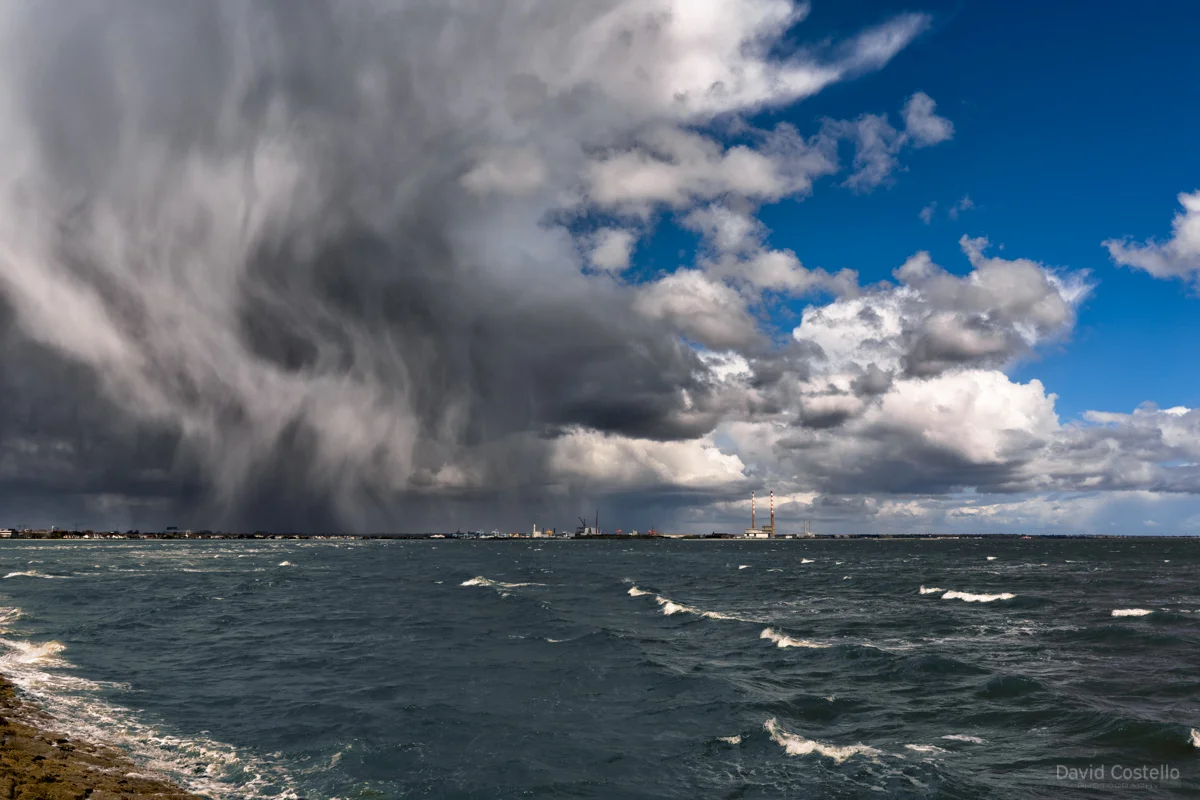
column 1072, row 127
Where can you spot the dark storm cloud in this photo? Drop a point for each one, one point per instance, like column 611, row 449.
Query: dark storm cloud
column 267, row 258
column 305, row 264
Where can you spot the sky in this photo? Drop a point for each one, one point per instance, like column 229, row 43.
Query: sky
column 407, row 265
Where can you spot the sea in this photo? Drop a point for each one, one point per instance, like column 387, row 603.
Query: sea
column 967, row 668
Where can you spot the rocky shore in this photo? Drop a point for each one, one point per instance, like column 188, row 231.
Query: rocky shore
column 36, row 763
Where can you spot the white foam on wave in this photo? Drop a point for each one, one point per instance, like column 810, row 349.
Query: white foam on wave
column 286, row 564
column 781, row 640
column 1131, row 612
column 991, row 558
column 1195, row 738
column 670, row 607
column 33, row 573
column 42, row 654
column 931, row 590
column 977, row 598
column 479, row 580
column 961, row 737
column 809, row 561
column 204, row 766
column 925, row 748
column 743, row 566
column 730, row 739
column 796, row 745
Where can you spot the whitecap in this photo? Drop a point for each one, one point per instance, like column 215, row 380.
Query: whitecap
column 44, row 654
column 809, row 561
column 479, row 580
column 977, row 598
column 286, row 564
column 796, row 745
column 33, row 574
column 931, row 590
column 730, row 739
column 1131, row 612
column 781, row 640
column 959, row 737
column 670, row 608
column 636, row 592
column 991, row 558
column 925, row 748
column 743, row 566
column 1195, row 738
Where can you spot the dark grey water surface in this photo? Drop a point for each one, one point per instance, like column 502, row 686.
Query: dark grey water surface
column 620, row 670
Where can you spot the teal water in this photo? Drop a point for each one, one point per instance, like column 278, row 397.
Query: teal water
column 389, row 669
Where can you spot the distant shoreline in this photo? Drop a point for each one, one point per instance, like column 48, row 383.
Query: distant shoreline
column 37, row 761
column 57, row 535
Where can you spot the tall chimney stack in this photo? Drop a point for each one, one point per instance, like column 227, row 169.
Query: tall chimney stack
column 772, row 512
column 752, row 509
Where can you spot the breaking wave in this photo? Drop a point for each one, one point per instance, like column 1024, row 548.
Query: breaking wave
column 671, row 608
column 479, row 580
column 1131, row 612
column 33, row 574
column 781, row 640
column 201, row 765
column 796, row 745
column 960, row 737
column 807, row 561
column 931, row 590
column 925, row 748
column 977, row 598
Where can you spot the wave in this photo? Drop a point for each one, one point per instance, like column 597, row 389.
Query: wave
column 977, row 598
column 931, row 590
column 33, row 573
column 1195, row 738
column 796, row 745
column 1131, row 612
column 730, row 739
column 286, row 564
column 781, row 640
column 479, row 580
column 671, row 608
column 200, row 765
column 743, row 566
column 991, row 558
column 807, row 561
column 960, row 737
column 925, row 748
column 43, row 654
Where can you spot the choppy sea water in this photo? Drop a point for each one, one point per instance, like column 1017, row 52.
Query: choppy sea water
column 391, row 669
